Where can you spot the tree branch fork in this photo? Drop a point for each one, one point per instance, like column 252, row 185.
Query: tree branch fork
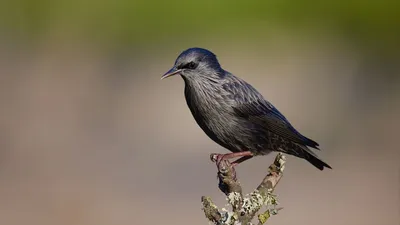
column 245, row 208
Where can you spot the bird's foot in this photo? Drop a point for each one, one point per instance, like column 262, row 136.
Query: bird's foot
column 217, row 158
column 224, row 166
column 221, row 160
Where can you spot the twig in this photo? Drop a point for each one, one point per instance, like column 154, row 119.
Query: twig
column 245, row 208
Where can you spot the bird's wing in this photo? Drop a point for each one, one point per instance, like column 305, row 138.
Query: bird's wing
column 259, row 111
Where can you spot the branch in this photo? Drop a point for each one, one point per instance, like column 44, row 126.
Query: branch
column 245, row 208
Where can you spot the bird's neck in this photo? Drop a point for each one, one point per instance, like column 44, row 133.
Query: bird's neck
column 202, row 93
column 203, row 85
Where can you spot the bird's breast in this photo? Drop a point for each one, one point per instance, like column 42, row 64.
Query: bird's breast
column 214, row 115
column 209, row 108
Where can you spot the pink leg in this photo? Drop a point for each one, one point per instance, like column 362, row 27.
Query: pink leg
column 240, row 160
column 219, row 157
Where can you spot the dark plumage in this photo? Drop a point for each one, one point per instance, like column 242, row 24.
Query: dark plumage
column 234, row 114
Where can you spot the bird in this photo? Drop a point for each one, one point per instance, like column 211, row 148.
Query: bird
column 234, row 114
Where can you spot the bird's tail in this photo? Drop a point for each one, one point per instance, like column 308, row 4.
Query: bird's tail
column 304, row 152
column 316, row 161
column 307, row 154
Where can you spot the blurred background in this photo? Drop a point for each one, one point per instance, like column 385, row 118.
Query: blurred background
column 89, row 135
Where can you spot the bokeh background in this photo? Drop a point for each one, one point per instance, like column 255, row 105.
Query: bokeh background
column 89, row 135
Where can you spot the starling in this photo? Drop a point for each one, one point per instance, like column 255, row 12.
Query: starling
column 234, row 114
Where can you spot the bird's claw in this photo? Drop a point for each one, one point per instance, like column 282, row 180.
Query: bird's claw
column 218, row 158
column 224, row 165
column 214, row 157
column 225, row 169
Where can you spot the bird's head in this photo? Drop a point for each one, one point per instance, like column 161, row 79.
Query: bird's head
column 195, row 62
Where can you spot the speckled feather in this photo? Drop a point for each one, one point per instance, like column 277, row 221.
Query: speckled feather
column 234, row 114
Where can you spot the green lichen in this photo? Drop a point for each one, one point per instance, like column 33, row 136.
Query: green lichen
column 263, row 217
column 271, row 202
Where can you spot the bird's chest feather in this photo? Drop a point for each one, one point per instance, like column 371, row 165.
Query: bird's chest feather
column 211, row 111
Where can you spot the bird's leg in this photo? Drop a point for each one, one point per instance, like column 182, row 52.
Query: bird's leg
column 217, row 158
column 240, row 160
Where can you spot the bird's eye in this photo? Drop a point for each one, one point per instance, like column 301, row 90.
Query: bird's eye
column 191, row 65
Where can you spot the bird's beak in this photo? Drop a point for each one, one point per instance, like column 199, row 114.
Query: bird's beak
column 170, row 72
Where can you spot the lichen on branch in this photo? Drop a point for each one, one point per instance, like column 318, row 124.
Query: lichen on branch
column 244, row 208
